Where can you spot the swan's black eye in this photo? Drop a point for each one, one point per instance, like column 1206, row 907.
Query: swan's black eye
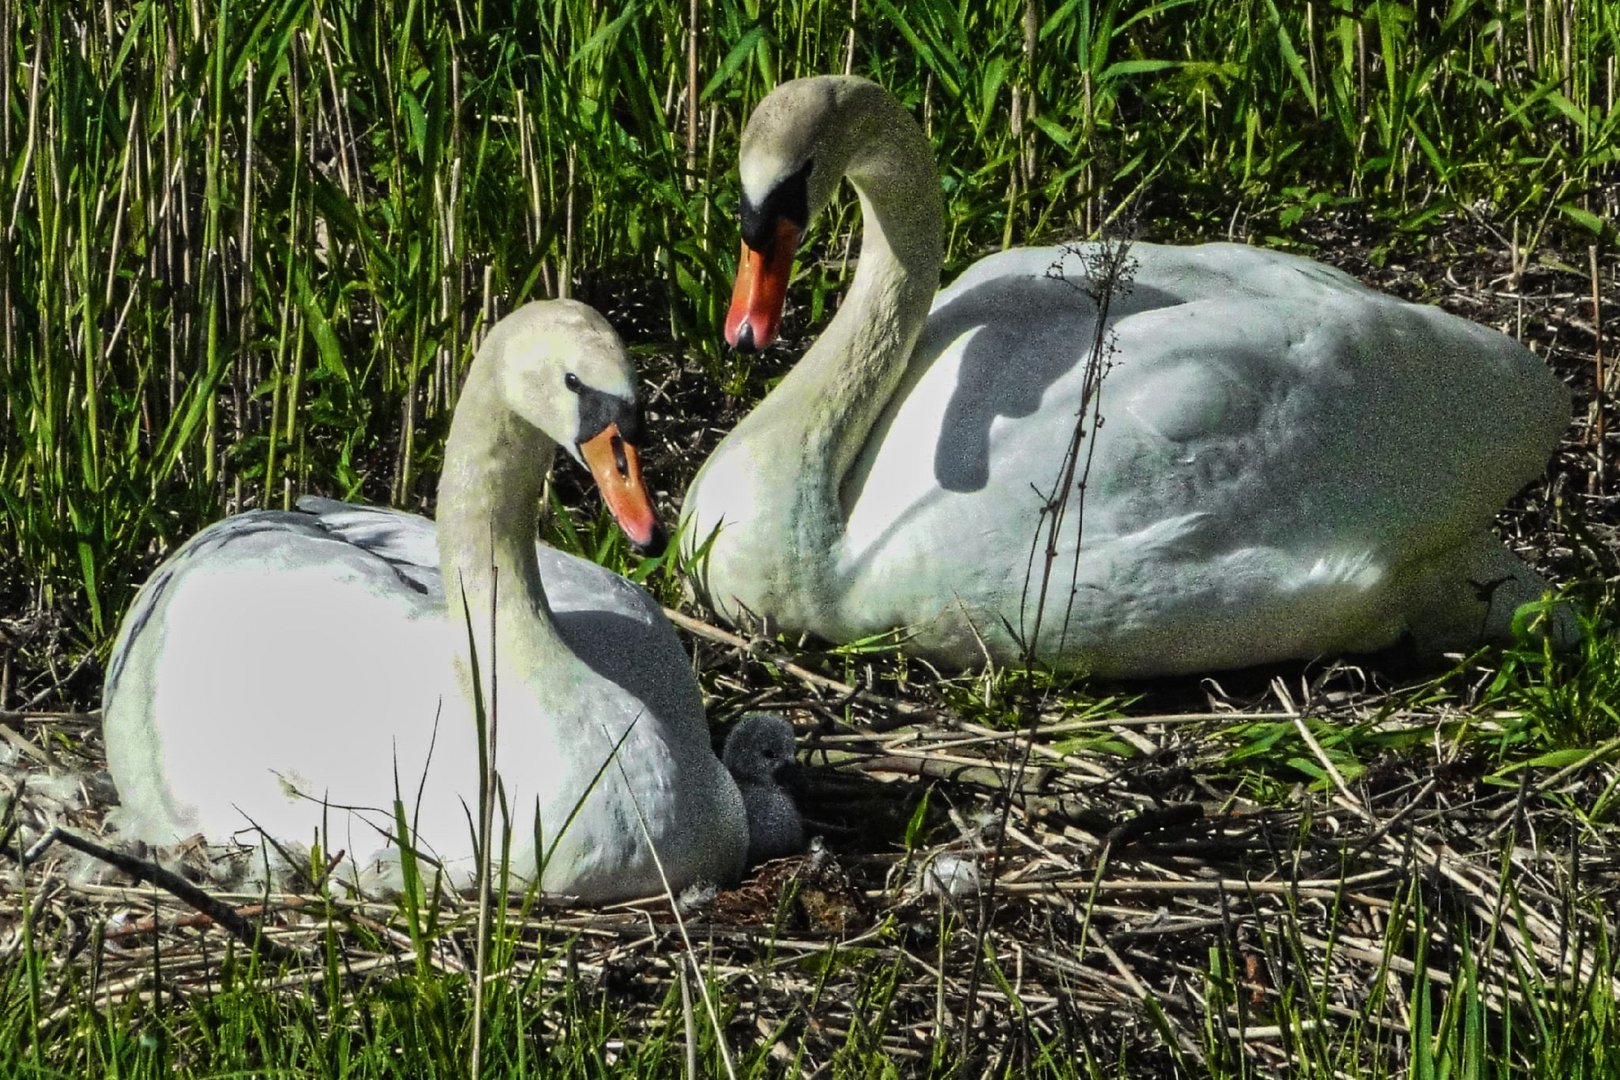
column 571, row 381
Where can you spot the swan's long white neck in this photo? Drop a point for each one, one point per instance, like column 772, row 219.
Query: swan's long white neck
column 495, row 463
column 816, row 422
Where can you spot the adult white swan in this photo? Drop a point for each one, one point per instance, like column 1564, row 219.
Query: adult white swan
column 292, row 672
column 1290, row 463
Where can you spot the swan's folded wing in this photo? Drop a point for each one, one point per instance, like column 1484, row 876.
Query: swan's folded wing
column 407, row 542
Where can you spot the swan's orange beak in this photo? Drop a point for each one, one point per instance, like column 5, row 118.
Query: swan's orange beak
column 616, row 466
column 761, row 290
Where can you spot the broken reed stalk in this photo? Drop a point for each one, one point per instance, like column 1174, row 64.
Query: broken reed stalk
column 906, row 709
column 230, row 919
column 691, row 94
column 1598, row 391
column 1106, row 272
column 488, row 781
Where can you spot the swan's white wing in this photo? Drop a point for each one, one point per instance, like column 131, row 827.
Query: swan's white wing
column 1308, row 425
column 280, row 656
column 266, row 655
column 611, row 623
column 408, row 542
column 380, row 550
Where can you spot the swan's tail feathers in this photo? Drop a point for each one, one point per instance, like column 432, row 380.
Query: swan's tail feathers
column 1468, row 595
column 1354, row 572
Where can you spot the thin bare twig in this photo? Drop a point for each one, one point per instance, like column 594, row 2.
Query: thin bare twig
column 227, row 917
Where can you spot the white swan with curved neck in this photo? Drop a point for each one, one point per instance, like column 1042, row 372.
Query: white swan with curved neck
column 1290, row 463
column 294, row 672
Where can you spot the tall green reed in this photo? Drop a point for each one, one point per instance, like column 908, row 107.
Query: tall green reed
column 248, row 246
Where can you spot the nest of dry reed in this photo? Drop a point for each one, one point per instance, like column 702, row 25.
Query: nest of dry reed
column 1048, row 894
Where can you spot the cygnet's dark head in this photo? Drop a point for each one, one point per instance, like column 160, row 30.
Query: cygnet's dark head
column 759, row 754
column 761, row 750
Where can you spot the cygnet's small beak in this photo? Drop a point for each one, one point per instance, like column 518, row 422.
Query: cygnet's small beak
column 760, row 293
column 616, row 466
column 790, row 776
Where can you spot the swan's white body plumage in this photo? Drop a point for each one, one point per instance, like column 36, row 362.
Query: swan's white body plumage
column 1290, row 464
column 296, row 672
column 1282, row 452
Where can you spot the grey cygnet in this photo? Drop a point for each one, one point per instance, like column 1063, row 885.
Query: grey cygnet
column 759, row 754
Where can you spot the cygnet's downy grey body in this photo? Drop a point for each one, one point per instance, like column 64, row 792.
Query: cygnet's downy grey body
column 759, row 754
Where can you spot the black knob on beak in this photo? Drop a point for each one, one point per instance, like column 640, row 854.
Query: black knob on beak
column 655, row 544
